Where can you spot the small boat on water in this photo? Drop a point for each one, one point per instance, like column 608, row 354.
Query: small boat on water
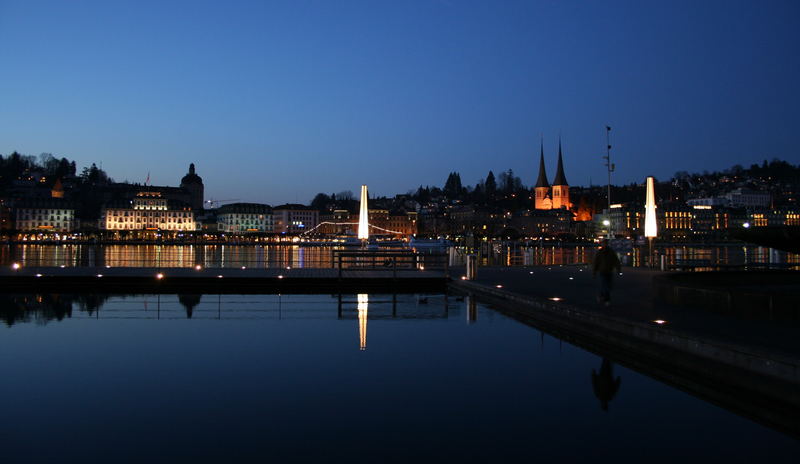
column 372, row 243
column 429, row 243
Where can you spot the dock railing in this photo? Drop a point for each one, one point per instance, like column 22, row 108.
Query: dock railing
column 394, row 260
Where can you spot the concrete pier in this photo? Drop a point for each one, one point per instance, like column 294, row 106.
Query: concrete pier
column 750, row 367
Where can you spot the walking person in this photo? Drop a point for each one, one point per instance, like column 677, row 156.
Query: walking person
column 605, row 262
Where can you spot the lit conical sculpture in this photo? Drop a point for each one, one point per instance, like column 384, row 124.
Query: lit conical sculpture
column 363, row 216
column 650, row 225
column 363, row 307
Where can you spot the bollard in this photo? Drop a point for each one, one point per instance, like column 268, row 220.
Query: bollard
column 472, row 266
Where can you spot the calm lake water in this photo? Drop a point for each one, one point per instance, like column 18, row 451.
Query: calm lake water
column 276, row 256
column 316, row 378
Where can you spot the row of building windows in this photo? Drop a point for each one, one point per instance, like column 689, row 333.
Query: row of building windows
column 138, row 220
column 129, row 213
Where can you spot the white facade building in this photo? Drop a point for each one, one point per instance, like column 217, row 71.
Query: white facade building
column 708, row 201
column 244, row 218
column 149, row 211
column 45, row 214
column 749, row 198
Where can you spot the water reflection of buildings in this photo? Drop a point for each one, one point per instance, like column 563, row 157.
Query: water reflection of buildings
column 296, row 256
column 178, row 256
column 42, row 308
column 189, row 302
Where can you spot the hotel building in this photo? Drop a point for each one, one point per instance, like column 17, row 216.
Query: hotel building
column 148, row 211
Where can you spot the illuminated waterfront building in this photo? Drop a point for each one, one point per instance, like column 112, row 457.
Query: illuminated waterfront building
column 45, row 214
column 294, row 218
column 381, row 222
column 398, row 225
column 148, row 211
column 244, row 218
column 738, row 198
column 536, row 224
column 681, row 222
column 748, row 198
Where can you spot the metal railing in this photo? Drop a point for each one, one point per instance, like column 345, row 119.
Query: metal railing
column 395, row 261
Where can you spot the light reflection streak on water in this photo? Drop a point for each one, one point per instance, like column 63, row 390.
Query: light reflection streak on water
column 363, row 308
column 257, row 256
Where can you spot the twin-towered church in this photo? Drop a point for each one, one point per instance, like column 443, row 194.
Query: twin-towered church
column 557, row 196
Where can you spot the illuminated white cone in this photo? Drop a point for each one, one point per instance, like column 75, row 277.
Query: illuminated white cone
column 363, row 216
column 650, row 224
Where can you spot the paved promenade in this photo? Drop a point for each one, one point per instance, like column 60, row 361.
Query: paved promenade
column 749, row 367
column 634, row 299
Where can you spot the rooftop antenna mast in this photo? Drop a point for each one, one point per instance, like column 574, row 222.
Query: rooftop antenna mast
column 609, row 165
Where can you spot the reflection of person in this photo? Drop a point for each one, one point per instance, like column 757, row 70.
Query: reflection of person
column 604, row 385
column 605, row 262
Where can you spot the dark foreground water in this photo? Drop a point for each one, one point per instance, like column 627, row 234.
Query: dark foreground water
column 273, row 378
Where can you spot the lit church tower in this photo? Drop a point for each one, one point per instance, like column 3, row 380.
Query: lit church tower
column 560, row 186
column 542, row 189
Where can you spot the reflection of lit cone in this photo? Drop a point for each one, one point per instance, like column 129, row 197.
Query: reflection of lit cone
column 363, row 306
column 472, row 310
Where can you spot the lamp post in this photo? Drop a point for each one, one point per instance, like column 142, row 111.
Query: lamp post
column 650, row 223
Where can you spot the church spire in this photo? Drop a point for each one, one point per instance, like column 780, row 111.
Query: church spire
column 542, row 180
column 560, row 178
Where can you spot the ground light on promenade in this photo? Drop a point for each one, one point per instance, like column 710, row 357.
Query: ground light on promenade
column 650, row 224
column 363, row 216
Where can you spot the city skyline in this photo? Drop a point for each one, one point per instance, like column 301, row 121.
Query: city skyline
column 277, row 103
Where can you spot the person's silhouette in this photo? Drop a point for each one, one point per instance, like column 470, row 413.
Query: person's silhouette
column 604, row 384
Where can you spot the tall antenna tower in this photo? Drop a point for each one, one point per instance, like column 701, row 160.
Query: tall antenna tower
column 609, row 165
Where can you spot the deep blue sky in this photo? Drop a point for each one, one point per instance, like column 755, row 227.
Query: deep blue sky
column 276, row 101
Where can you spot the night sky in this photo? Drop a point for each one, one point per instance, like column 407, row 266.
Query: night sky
column 276, row 101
